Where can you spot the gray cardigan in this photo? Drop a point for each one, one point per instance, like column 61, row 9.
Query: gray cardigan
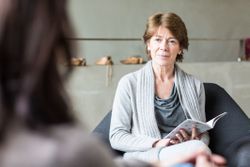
column 133, row 126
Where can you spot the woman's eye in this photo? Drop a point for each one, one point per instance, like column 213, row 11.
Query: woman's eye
column 172, row 41
column 158, row 39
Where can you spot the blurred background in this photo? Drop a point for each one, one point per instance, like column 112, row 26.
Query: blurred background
column 218, row 31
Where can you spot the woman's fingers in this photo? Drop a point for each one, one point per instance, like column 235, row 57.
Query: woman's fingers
column 219, row 160
column 202, row 161
column 185, row 135
column 174, row 141
column 206, row 160
column 180, row 137
column 195, row 134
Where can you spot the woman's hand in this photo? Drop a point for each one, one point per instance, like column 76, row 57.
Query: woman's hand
column 180, row 137
column 199, row 159
column 213, row 160
column 161, row 143
column 183, row 136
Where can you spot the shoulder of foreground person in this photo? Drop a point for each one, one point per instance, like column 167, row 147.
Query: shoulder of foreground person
column 76, row 148
column 94, row 153
column 89, row 151
column 60, row 146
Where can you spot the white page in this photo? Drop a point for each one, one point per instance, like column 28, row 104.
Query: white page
column 201, row 126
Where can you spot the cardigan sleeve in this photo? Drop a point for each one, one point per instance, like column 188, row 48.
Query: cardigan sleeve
column 121, row 137
column 202, row 100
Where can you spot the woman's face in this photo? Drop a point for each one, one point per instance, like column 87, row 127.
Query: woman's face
column 163, row 47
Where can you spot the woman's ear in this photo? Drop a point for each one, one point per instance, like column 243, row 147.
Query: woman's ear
column 180, row 52
column 148, row 47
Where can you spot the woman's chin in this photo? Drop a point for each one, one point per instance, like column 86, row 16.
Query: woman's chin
column 161, row 63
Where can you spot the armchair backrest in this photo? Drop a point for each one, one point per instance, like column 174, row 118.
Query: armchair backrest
column 102, row 132
column 230, row 128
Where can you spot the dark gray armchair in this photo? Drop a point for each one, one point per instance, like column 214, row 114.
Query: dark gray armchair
column 230, row 137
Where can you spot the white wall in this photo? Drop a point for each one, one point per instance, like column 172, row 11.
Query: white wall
column 215, row 27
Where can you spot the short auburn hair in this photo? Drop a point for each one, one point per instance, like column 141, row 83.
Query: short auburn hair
column 172, row 22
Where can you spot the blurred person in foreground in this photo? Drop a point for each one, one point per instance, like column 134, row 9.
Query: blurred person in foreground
column 37, row 127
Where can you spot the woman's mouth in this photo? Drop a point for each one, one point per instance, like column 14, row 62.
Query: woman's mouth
column 163, row 55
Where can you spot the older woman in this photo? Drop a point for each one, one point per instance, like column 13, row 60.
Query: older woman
column 152, row 101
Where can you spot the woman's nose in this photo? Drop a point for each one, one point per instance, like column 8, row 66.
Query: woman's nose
column 164, row 45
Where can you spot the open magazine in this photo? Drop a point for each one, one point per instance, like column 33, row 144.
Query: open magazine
column 188, row 124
